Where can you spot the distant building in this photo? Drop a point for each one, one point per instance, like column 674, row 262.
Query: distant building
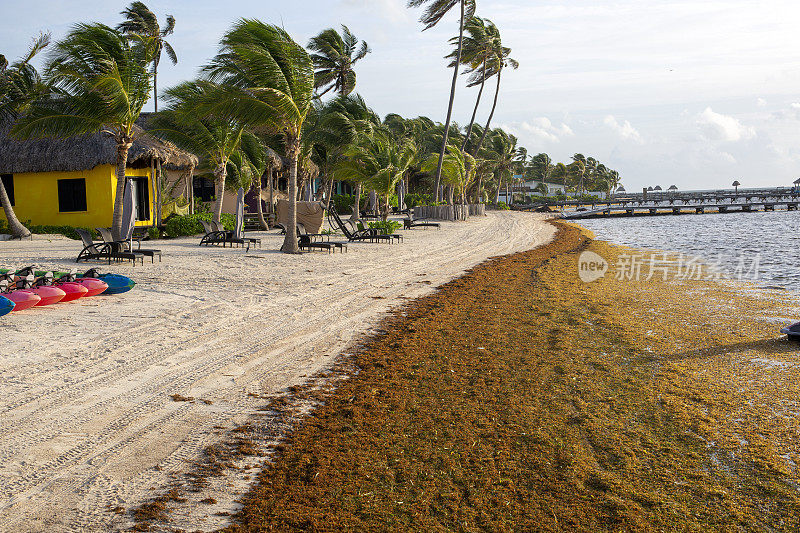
column 72, row 182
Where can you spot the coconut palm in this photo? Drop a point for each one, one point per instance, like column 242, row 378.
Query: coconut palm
column 266, row 80
column 499, row 61
column 502, row 152
column 143, row 23
column 213, row 139
column 334, row 55
column 20, row 84
column 99, row 82
column 458, row 170
column 378, row 161
column 540, row 167
column 434, row 12
column 478, row 48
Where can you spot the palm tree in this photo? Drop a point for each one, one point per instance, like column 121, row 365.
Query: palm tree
column 499, row 61
column 143, row 23
column 433, row 14
column 266, row 81
column 503, row 153
column 540, row 167
column 458, row 170
column 378, row 161
column 99, row 82
column 578, row 170
column 478, row 48
column 334, row 55
column 214, row 140
column 20, row 84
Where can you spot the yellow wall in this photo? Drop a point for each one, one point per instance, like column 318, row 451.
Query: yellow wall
column 36, row 197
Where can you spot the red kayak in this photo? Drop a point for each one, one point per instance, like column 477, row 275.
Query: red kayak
column 49, row 295
column 73, row 291
column 23, row 299
column 93, row 285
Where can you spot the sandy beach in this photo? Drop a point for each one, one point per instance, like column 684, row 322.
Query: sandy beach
column 88, row 422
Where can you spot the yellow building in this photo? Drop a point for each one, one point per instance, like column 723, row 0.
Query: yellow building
column 73, row 181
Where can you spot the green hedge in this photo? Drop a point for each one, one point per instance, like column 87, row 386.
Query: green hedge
column 39, row 229
column 186, row 225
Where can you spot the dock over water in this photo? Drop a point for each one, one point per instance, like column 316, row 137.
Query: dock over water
column 673, row 203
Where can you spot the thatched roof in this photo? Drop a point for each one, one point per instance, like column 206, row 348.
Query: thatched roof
column 84, row 152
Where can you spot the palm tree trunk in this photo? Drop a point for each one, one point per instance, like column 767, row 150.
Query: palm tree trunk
column 261, row 219
column 219, row 190
column 480, row 191
column 155, row 88
column 14, row 225
column 290, row 245
column 123, row 145
column 499, row 187
column 357, row 204
column 452, row 99
column 271, row 189
column 475, row 111
column 491, row 116
column 190, row 192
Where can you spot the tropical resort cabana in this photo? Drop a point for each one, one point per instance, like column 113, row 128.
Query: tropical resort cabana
column 72, row 182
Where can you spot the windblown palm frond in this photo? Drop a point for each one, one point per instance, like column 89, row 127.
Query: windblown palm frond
column 436, row 10
column 334, row 55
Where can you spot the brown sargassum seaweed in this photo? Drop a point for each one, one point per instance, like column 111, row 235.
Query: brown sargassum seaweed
column 517, row 398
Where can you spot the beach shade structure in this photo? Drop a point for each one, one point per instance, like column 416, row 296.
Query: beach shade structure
column 650, row 188
column 735, row 186
column 128, row 213
column 658, row 188
column 673, row 188
column 239, row 229
column 797, row 181
column 620, row 189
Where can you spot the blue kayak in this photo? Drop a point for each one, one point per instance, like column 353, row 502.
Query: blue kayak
column 116, row 284
column 6, row 305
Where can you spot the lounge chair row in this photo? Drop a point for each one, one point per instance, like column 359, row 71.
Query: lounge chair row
column 217, row 234
column 111, row 250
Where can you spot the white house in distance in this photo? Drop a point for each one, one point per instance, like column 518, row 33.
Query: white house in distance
column 527, row 188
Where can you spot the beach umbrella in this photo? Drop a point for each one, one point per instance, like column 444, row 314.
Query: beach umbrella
column 240, row 214
column 658, row 188
column 735, row 185
column 128, row 212
column 673, row 188
column 620, row 189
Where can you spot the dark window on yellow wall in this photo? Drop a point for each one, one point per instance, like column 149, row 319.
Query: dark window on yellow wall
column 8, row 183
column 72, row 195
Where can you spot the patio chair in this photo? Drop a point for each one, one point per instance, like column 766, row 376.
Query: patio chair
column 105, row 234
column 322, row 238
column 233, row 239
column 212, row 235
column 353, row 234
column 102, row 250
column 409, row 223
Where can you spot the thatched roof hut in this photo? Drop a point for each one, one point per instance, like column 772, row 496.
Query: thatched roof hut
column 84, row 152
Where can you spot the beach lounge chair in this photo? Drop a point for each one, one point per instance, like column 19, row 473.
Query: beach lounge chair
column 233, row 239
column 212, row 235
column 354, row 234
column 105, row 234
column 409, row 223
column 101, row 250
column 313, row 238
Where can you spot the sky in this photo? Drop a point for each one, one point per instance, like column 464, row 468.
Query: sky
column 693, row 93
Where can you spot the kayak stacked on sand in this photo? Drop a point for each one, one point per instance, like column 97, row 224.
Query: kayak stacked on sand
column 27, row 288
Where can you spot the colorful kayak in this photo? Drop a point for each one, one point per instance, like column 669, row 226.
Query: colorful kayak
column 72, row 291
column 116, row 284
column 23, row 299
column 94, row 286
column 49, row 295
column 6, row 305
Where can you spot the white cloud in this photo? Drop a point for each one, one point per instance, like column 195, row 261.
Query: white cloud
column 718, row 127
column 623, row 129
column 392, row 10
column 541, row 129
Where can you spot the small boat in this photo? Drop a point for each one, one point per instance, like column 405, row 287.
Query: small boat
column 793, row 332
column 6, row 305
column 73, row 291
column 49, row 295
column 22, row 299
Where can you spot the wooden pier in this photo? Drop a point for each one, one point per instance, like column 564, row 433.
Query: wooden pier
column 678, row 203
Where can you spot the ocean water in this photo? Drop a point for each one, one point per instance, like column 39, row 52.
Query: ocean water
column 763, row 246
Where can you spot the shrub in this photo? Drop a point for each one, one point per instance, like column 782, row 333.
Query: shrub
column 153, row 233
column 343, row 203
column 413, row 200
column 386, row 227
column 502, row 206
column 66, row 231
column 186, row 225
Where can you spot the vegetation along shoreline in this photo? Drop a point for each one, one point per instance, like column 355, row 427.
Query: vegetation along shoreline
column 562, row 406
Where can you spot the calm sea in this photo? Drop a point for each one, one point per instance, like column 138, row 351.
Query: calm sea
column 732, row 239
